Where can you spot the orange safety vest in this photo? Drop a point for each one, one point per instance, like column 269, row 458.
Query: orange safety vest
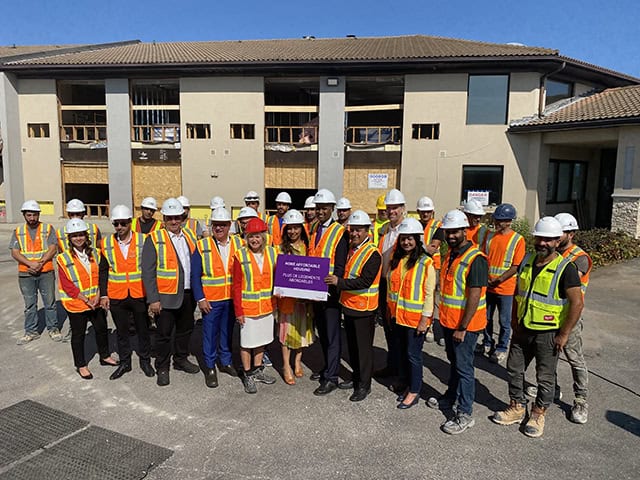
column 216, row 279
column 257, row 286
column 477, row 235
column 135, row 225
column 429, row 231
column 63, row 242
column 328, row 243
column 366, row 299
column 86, row 283
column 190, row 230
column 34, row 249
column 406, row 291
column 167, row 266
column 310, row 227
column 453, row 292
column 125, row 274
column 574, row 252
column 501, row 261
column 275, row 229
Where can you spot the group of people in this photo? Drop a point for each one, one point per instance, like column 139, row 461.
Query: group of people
column 407, row 274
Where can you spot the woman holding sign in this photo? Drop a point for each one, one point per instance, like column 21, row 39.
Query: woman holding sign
column 411, row 285
column 253, row 301
column 295, row 317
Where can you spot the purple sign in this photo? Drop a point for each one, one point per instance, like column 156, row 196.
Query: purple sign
column 299, row 276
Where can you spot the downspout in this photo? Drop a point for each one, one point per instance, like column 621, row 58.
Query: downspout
column 541, row 90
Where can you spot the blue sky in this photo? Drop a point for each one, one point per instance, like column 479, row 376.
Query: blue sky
column 599, row 32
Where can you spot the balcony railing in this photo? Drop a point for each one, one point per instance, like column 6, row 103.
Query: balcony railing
column 376, row 135
column 291, row 134
column 83, row 133
column 167, row 133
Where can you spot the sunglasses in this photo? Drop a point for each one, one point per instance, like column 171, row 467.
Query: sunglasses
column 122, row 223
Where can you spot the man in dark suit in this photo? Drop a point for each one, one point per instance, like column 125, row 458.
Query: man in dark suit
column 166, row 269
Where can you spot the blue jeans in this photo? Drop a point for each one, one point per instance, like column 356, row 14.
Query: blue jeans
column 462, row 382
column 503, row 303
column 29, row 287
column 217, row 332
column 411, row 361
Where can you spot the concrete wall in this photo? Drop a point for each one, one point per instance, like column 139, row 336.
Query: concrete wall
column 11, row 151
column 221, row 165
column 626, row 196
column 40, row 156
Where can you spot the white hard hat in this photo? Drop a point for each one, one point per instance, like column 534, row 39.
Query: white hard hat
column 216, row 202
column 293, row 217
column 75, row 206
column 76, row 225
column 172, row 207
column 394, row 197
column 30, row 206
column 149, row 202
column 283, row 197
column 251, row 196
column 474, row 207
column 247, row 212
column 343, row 204
column 547, row 227
column 308, row 203
column 425, row 204
column 454, row 219
column 121, row 212
column 359, row 217
column 324, row 196
column 410, row 226
column 568, row 222
column 220, row 214
column 184, row 201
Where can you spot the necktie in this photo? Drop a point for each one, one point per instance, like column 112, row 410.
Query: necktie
column 318, row 234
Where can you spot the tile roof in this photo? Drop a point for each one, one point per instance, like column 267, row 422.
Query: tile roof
column 621, row 104
column 414, row 47
column 18, row 50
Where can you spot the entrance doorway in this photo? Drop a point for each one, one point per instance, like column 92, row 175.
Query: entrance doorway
column 604, row 205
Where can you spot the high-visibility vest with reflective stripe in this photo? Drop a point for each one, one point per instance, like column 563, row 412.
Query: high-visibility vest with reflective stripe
column 167, row 264
column 63, row 242
column 405, row 291
column 366, row 299
column 135, row 225
column 328, row 243
column 86, row 283
column 257, row 286
column 453, row 292
column 574, row 252
column 506, row 260
column 377, row 227
column 430, row 230
column 310, row 227
column 34, row 249
column 275, row 229
column 216, row 278
column 125, row 274
column 539, row 304
column 190, row 233
column 478, row 234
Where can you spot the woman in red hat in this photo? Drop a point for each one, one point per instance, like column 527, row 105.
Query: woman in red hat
column 253, row 301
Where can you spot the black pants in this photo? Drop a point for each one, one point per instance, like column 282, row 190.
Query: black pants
column 390, row 333
column 360, row 331
column 78, row 324
column 327, row 318
column 122, row 311
column 182, row 320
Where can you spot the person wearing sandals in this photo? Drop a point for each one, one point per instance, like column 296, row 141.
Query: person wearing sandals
column 411, row 286
column 253, row 301
column 295, row 317
column 80, row 295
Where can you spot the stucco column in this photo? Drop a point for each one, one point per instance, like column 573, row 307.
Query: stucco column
column 331, row 134
column 625, row 215
column 119, row 141
column 13, row 177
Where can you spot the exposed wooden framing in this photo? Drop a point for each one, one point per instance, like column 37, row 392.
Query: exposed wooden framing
column 293, row 134
column 291, row 108
column 155, row 107
column 83, row 107
column 372, row 108
column 360, row 135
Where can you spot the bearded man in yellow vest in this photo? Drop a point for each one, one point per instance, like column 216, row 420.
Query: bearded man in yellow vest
column 547, row 307
column 359, row 299
column 33, row 246
column 122, row 291
column 463, row 315
column 145, row 223
column 166, row 274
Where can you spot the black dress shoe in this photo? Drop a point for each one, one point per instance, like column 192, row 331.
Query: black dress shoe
column 346, row 385
column 211, row 377
column 229, row 370
column 360, row 394
column 120, row 371
column 84, row 377
column 107, row 364
column 186, row 366
column 145, row 366
column 325, row 388
column 163, row 378
column 315, row 376
column 404, row 406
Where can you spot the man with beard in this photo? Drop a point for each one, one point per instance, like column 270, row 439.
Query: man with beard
column 343, row 211
column 548, row 306
column 274, row 222
column 145, row 223
column 310, row 219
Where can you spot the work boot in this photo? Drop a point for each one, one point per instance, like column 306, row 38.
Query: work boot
column 514, row 413
column 535, row 426
column 458, row 423
column 579, row 411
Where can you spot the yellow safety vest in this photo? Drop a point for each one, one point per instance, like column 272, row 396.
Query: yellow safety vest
column 366, row 299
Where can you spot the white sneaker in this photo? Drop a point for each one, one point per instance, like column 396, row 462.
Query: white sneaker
column 28, row 337
column 55, row 335
column 498, row 357
column 429, row 338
